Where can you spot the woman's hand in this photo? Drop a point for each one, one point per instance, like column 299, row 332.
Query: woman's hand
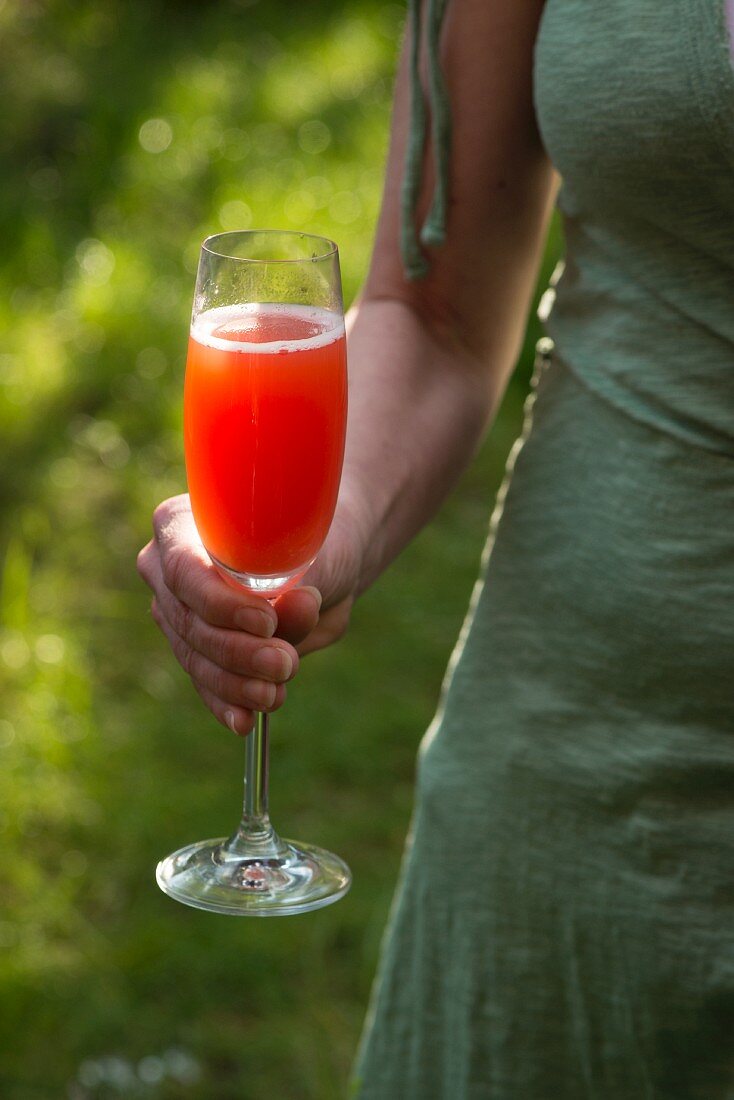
column 238, row 649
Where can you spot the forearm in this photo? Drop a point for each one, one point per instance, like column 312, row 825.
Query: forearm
column 418, row 410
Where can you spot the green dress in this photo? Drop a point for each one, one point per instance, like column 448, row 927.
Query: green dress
column 564, row 924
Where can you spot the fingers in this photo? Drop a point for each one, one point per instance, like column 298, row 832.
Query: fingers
column 234, row 651
column 239, row 651
column 237, row 719
column 225, row 692
column 177, row 559
column 221, row 635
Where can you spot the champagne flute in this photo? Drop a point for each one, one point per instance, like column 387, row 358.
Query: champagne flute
column 265, row 403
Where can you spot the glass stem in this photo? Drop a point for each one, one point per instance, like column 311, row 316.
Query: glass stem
column 257, row 761
column 255, row 836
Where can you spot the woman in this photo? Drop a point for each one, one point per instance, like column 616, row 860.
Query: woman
column 564, row 920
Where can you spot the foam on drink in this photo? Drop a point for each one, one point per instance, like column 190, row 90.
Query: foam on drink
column 275, row 328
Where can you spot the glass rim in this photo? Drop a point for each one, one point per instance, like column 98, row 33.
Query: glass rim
column 329, row 247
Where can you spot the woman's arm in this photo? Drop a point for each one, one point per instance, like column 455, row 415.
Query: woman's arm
column 428, row 363
column 429, row 360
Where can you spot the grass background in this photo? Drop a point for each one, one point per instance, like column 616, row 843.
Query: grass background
column 130, row 131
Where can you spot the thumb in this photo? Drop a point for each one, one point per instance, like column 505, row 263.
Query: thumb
column 298, row 613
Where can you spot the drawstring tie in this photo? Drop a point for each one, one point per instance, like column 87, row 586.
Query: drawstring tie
column 433, row 231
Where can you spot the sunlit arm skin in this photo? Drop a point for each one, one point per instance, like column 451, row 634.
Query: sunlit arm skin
column 428, row 363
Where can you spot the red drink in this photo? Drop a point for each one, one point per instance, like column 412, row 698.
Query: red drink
column 265, row 405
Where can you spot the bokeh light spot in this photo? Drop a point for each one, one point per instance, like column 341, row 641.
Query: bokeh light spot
column 320, row 190
column 9, row 369
column 96, row 260
column 151, row 363
column 64, row 473
column 151, row 1070
column 206, row 133
column 237, row 144
column 50, row 649
column 346, row 82
column 46, row 182
column 155, row 135
column 7, row 733
column 314, row 136
column 235, row 215
column 14, row 651
column 73, row 863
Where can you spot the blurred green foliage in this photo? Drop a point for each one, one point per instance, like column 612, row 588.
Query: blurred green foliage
column 130, row 131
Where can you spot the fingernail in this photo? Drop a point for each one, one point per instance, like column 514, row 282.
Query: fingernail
column 316, row 594
column 229, row 719
column 274, row 663
column 255, row 622
column 264, row 689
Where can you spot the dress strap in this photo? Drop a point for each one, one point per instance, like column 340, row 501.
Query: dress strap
column 433, row 231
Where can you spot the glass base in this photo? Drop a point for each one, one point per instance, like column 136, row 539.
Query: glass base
column 206, row 875
column 268, row 585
